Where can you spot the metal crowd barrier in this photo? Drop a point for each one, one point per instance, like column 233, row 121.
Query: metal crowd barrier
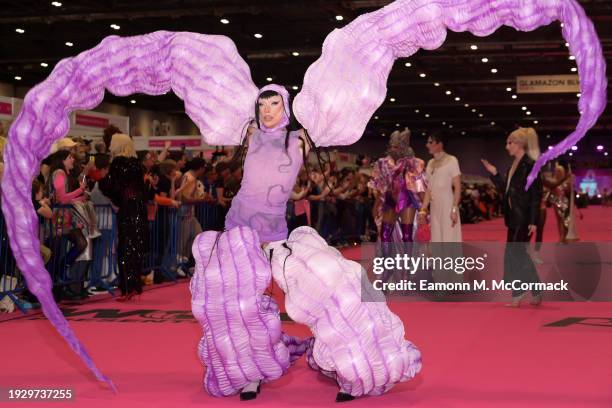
column 96, row 266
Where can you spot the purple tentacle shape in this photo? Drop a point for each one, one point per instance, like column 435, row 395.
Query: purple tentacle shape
column 202, row 70
column 359, row 343
column 242, row 340
column 345, row 86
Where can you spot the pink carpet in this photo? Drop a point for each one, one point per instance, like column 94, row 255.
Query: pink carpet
column 474, row 354
column 595, row 225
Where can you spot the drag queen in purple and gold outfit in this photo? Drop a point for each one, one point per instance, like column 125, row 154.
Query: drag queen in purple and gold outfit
column 400, row 180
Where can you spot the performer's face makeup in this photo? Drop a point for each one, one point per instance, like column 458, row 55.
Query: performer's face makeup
column 395, row 150
column 271, row 110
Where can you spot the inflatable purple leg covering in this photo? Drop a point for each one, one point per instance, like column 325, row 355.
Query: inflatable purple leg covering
column 242, row 340
column 359, row 343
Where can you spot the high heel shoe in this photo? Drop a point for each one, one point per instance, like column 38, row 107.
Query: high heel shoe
column 132, row 295
column 250, row 395
column 536, row 300
column 516, row 300
column 344, row 397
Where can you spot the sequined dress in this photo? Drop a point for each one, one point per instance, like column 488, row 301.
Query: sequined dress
column 125, row 186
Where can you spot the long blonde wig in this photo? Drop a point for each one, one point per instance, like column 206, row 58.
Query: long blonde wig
column 122, row 145
column 528, row 139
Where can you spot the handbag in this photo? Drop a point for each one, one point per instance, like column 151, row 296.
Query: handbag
column 423, row 233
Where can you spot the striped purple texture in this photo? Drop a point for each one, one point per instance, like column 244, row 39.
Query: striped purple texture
column 360, row 344
column 348, row 83
column 242, row 339
column 205, row 71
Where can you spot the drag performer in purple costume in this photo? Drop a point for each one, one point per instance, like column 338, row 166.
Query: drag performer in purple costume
column 358, row 343
column 400, row 182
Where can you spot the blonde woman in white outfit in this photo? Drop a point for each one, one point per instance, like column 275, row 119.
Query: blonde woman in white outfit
column 444, row 192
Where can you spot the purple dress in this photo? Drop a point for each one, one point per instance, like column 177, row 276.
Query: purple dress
column 270, row 172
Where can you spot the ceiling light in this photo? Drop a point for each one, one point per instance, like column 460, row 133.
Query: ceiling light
column 523, row 107
column 567, row 44
column 494, row 70
column 574, row 69
column 408, row 64
column 436, row 84
column 427, row 115
column 382, row 134
column 535, row 122
column 457, row 98
column 514, row 96
column 295, row 87
column 392, row 99
column 474, row 110
column 20, row 30
column 224, row 21
column 269, row 79
column 480, row 115
column 339, row 18
column 548, row 136
column 423, row 133
column 443, row 123
column 115, row 27
column 56, row 4
column 549, row 147
column 397, row 125
column 606, row 153
column 449, row 92
column 528, row 113
column 508, row 89
column 578, row 94
column 485, row 59
column 467, row 105
column 257, row 35
column 463, row 132
column 375, row 117
column 450, row 126
column 422, row 75
column 571, row 154
column 295, row 54
column 416, row 111
column 562, row 25
column 571, row 57
column 44, row 64
column 69, row 44
column 474, row 47
column 18, row 78
column 492, row 123
column 132, row 101
column 574, row 148
column 599, row 147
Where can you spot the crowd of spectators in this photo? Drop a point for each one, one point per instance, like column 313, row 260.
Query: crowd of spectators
column 337, row 202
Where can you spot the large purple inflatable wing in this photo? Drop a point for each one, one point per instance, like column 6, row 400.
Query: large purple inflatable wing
column 346, row 85
column 205, row 71
column 357, row 339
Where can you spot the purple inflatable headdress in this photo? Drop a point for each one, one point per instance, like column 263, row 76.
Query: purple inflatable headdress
column 346, row 85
